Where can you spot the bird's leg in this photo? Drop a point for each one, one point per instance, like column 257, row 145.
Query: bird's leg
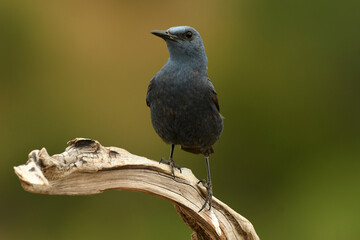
column 208, row 186
column 171, row 161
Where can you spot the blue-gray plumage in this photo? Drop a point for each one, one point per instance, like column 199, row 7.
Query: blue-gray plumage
column 183, row 101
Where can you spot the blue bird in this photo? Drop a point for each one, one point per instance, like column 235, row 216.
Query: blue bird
column 183, row 101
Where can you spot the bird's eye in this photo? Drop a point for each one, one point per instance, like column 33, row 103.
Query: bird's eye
column 188, row 34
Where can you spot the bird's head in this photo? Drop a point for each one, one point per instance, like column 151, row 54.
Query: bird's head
column 184, row 44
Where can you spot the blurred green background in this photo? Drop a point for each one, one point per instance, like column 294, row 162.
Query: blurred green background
column 288, row 78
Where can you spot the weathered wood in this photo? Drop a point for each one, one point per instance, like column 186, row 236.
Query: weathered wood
column 86, row 167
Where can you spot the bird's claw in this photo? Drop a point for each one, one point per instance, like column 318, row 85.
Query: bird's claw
column 203, row 181
column 163, row 160
column 208, row 199
column 172, row 165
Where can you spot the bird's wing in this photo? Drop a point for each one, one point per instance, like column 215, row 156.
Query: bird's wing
column 149, row 92
column 214, row 95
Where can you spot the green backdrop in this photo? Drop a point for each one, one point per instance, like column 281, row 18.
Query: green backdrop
column 288, row 78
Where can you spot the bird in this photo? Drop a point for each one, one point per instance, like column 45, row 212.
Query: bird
column 183, row 102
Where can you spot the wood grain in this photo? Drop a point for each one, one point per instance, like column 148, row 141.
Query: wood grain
column 86, row 167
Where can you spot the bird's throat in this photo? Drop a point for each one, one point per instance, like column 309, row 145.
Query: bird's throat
column 187, row 65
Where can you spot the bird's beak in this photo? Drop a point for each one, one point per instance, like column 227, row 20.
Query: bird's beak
column 164, row 35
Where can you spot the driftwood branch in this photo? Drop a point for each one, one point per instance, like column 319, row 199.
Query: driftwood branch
column 86, row 167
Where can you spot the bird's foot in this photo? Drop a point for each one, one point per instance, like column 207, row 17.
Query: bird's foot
column 203, row 181
column 208, row 199
column 172, row 165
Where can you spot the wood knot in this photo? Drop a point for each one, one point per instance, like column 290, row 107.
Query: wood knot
column 84, row 143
